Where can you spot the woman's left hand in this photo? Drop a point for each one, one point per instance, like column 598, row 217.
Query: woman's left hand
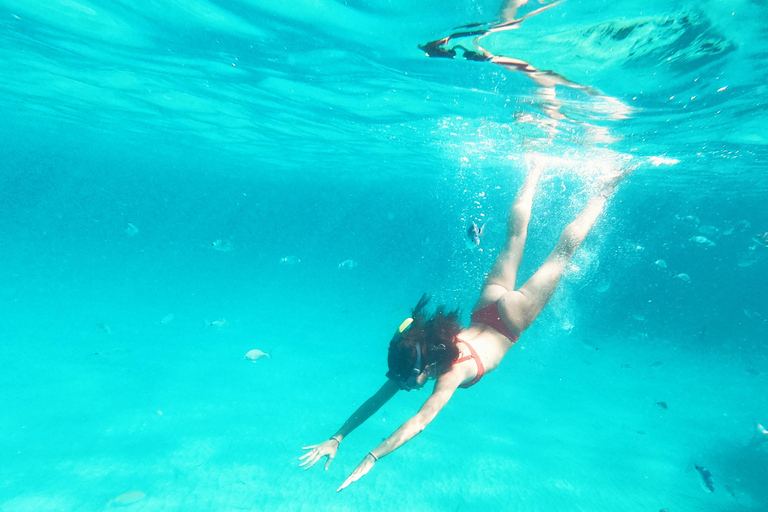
column 361, row 470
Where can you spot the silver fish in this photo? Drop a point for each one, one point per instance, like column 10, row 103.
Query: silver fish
column 348, row 264
column 603, row 287
column 748, row 258
column 702, row 240
column 223, row 245
column 692, row 219
column 706, row 478
column 131, row 230
column 128, row 498
column 256, row 354
column 760, row 436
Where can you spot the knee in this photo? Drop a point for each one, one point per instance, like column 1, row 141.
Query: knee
column 518, row 221
column 521, row 210
column 570, row 240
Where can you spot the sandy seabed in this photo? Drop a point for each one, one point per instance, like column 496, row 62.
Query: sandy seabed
column 565, row 424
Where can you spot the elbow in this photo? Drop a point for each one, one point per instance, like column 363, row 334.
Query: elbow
column 420, row 424
column 414, row 429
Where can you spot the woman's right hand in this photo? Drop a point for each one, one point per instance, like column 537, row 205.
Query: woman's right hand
column 318, row 451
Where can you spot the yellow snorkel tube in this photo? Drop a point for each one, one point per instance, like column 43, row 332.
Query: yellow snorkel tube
column 405, row 325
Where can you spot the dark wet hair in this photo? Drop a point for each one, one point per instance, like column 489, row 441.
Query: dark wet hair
column 436, row 336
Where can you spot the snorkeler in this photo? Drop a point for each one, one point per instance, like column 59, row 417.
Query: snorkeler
column 439, row 348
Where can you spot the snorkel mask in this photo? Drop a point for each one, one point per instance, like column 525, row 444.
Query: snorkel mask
column 410, row 381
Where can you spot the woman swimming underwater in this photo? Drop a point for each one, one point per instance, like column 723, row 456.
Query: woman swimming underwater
column 439, row 348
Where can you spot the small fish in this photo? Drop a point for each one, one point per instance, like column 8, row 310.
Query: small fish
column 348, row 264
column 689, row 218
column 761, row 239
column 747, row 260
column 728, row 231
column 706, row 478
column 131, row 230
column 660, row 263
column 683, row 277
column 167, row 319
column 128, row 498
column 222, row 245
column 256, row 354
column 661, row 160
column 702, row 240
column 105, row 327
column 663, row 405
column 760, row 436
column 474, row 232
column 749, row 257
column 289, row 260
column 222, row 322
column 709, row 230
column 603, row 287
column 656, row 364
column 742, row 225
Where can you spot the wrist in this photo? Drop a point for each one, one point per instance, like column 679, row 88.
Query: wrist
column 336, row 438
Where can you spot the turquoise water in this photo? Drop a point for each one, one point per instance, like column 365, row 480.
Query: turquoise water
column 182, row 180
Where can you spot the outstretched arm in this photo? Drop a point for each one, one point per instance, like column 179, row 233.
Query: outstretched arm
column 368, row 408
column 444, row 388
column 328, row 448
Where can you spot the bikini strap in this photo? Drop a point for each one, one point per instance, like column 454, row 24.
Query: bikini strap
column 473, row 355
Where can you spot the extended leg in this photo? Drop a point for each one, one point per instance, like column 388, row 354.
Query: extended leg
column 501, row 278
column 520, row 308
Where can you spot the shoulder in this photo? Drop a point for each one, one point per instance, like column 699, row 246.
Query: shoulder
column 453, row 377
